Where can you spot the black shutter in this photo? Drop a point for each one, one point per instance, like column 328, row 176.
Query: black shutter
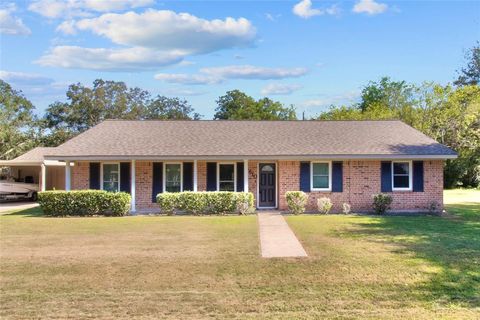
column 386, row 176
column 305, row 176
column 188, row 176
column 240, row 176
column 211, row 176
column 94, row 176
column 125, row 177
column 157, row 180
column 337, row 176
column 418, row 176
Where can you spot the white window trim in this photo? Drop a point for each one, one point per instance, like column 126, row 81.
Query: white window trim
column 234, row 175
column 410, row 176
column 119, row 174
column 329, row 176
column 164, row 178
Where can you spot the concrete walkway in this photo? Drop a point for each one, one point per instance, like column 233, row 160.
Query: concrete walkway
column 9, row 206
column 277, row 240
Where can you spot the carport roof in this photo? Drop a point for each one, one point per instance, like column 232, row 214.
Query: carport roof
column 34, row 157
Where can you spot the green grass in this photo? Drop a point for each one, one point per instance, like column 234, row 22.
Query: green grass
column 209, row 267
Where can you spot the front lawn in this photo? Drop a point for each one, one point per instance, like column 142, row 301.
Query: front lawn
column 209, row 267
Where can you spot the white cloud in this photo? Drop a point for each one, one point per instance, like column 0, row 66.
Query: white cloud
column 153, row 38
column 279, row 89
column 82, row 8
column 21, row 78
column 183, row 78
column 304, row 10
column 215, row 75
column 253, row 72
column 184, row 92
column 168, row 30
column 67, row 27
column 128, row 59
column 369, row 7
column 9, row 24
column 272, row 16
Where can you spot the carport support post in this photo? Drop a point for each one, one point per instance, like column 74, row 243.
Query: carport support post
column 43, row 171
column 245, row 175
column 132, row 187
column 67, row 176
column 195, row 179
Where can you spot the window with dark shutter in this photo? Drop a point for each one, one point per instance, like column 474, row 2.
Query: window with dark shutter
column 211, row 176
column 418, row 176
column 157, row 180
column 188, row 176
column 337, row 176
column 240, row 166
column 94, row 176
column 125, row 177
column 305, row 176
column 386, row 176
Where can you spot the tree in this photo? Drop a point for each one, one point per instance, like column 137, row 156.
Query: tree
column 449, row 115
column 169, row 108
column 17, row 123
column 470, row 75
column 236, row 105
column 86, row 107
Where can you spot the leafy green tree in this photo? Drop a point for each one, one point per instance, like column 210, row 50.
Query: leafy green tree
column 236, row 105
column 449, row 115
column 17, row 123
column 86, row 107
column 470, row 75
column 164, row 108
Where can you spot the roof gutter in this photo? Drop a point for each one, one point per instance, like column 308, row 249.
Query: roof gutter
column 251, row 157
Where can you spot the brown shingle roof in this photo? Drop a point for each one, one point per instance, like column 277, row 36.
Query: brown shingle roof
column 180, row 139
column 35, row 155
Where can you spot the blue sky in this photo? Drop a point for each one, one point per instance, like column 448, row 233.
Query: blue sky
column 306, row 53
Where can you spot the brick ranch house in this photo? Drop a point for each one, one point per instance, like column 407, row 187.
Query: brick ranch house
column 347, row 161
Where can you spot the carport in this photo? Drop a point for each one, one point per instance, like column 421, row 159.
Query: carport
column 32, row 167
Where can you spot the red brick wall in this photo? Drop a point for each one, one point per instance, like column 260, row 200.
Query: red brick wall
column 143, row 185
column 202, row 175
column 252, row 178
column 80, row 176
column 361, row 179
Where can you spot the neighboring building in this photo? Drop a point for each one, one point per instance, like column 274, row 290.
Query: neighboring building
column 347, row 161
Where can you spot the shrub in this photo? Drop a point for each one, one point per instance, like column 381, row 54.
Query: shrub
column 245, row 203
column 324, row 205
column 296, row 201
column 84, row 203
column 346, row 208
column 168, row 202
column 196, row 203
column 192, row 202
column 381, row 203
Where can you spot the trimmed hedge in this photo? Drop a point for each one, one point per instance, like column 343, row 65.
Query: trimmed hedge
column 84, row 203
column 221, row 202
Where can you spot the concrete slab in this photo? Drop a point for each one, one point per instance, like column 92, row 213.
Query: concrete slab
column 277, row 240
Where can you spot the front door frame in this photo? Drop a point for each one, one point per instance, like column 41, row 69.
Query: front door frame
column 276, row 184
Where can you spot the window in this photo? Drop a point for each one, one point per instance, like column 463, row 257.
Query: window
column 320, row 176
column 173, row 177
column 401, row 172
column 111, row 177
column 226, row 177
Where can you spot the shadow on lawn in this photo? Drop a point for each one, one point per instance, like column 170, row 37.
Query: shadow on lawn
column 451, row 245
column 28, row 213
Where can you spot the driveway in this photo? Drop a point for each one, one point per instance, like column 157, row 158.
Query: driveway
column 9, row 206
